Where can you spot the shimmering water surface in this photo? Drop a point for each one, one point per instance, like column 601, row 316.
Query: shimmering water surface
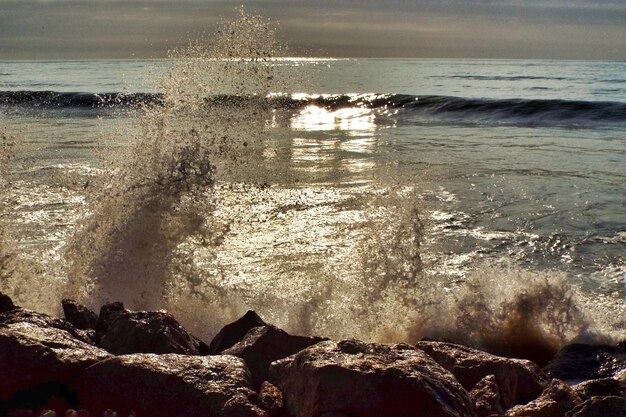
column 512, row 161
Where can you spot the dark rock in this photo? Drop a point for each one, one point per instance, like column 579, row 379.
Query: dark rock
column 168, row 385
column 604, row 387
column 557, row 399
column 271, row 399
column 486, row 397
column 366, row 380
column 519, row 380
column 234, row 332
column 20, row 315
column 600, row 407
column 36, row 349
column 6, row 304
column 263, row 345
column 580, row 362
column 79, row 316
column 108, row 312
column 148, row 332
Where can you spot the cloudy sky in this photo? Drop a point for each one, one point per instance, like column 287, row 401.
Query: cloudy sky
column 572, row 29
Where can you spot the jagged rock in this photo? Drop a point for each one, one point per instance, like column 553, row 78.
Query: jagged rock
column 612, row 406
column 149, row 332
column 486, row 397
column 604, row 387
column 168, row 385
column 234, row 332
column 271, row 399
column 519, row 380
column 580, row 362
column 366, row 380
column 108, row 312
column 79, row 316
column 36, row 349
column 21, row 315
column 557, row 399
column 6, row 304
column 263, row 345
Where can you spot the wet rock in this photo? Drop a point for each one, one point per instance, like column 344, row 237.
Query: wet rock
column 366, row 380
column 168, row 385
column 6, row 304
column 263, row 345
column 20, row 315
column 36, row 349
column 612, row 406
column 604, row 387
column 557, row 399
column 234, row 332
column 79, row 316
column 519, row 380
column 108, row 312
column 148, row 332
column 271, row 399
column 486, row 397
column 580, row 362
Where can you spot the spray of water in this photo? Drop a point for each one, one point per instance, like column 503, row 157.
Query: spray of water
column 168, row 211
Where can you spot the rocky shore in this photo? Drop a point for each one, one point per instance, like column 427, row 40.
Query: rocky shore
column 137, row 363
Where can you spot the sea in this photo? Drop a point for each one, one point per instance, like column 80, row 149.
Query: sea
column 385, row 199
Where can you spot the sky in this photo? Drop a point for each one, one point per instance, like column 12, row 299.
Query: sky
column 553, row 29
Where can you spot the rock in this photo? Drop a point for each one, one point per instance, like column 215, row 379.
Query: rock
column 168, row 385
column 604, row 387
column 271, row 399
column 367, row 379
column 6, row 304
column 148, row 332
column 79, row 316
column 36, row 349
column 234, row 332
column 580, row 362
column 108, row 312
column 556, row 400
column 20, row 315
column 612, row 406
column 265, row 344
column 486, row 397
column 519, row 380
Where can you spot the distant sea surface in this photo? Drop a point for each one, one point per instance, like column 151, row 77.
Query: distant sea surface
column 523, row 161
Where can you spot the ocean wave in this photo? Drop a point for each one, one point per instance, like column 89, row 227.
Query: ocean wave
column 574, row 113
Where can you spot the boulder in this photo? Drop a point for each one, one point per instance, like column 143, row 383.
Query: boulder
column 612, row 406
column 149, row 332
column 36, row 349
column 79, row 316
column 557, row 399
column 168, row 385
column 108, row 312
column 265, row 344
column 578, row 362
column 6, row 304
column 604, row 387
column 271, row 399
column 234, row 332
column 486, row 397
column 519, row 380
column 21, row 315
column 367, row 379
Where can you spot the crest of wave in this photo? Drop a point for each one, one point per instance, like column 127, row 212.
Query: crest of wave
column 152, row 205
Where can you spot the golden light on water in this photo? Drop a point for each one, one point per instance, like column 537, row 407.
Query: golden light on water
column 353, row 120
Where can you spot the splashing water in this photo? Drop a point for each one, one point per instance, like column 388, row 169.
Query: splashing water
column 197, row 214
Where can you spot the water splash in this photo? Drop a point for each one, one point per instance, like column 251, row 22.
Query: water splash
column 200, row 213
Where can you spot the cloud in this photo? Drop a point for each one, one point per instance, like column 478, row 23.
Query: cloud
column 454, row 28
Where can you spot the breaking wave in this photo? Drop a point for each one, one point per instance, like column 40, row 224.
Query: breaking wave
column 432, row 108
